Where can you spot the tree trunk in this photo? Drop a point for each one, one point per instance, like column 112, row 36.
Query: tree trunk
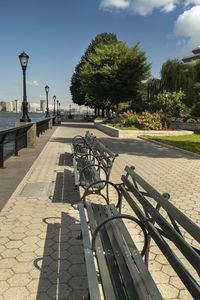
column 108, row 112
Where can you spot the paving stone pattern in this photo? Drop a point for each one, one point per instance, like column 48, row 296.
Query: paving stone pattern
column 41, row 257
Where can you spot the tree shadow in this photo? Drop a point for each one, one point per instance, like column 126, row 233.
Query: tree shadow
column 62, row 270
column 78, row 125
column 139, row 147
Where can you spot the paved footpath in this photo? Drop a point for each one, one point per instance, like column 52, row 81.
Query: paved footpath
column 40, row 255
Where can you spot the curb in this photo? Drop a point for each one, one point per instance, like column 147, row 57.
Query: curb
column 171, row 147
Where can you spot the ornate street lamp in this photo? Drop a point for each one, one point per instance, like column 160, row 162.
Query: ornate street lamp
column 54, row 107
column 47, row 110
column 70, row 113
column 57, row 108
column 23, row 57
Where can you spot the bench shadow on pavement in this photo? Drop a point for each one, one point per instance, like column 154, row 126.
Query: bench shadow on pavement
column 62, row 271
column 65, row 159
column 64, row 191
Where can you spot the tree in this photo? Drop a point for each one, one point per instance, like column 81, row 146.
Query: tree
column 79, row 96
column 176, row 75
column 169, row 103
column 114, row 72
column 109, row 73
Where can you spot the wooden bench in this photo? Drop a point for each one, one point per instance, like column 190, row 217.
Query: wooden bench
column 115, row 268
column 92, row 167
column 82, row 146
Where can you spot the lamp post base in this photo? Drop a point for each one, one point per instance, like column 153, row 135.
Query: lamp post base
column 25, row 119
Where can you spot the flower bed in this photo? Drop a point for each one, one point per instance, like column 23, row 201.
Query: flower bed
column 115, row 132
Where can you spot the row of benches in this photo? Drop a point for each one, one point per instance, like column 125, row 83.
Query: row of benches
column 115, row 267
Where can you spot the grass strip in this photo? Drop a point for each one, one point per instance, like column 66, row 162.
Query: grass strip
column 186, row 142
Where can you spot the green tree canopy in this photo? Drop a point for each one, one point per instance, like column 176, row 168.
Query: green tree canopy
column 109, row 73
column 79, row 96
column 169, row 103
column 176, row 75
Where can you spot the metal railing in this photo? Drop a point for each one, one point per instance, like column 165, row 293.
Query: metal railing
column 42, row 126
column 13, row 140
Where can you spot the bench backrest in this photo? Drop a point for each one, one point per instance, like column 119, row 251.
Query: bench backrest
column 90, row 139
column 164, row 227
column 105, row 156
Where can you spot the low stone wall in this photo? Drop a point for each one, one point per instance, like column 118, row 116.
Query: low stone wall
column 134, row 133
column 185, row 126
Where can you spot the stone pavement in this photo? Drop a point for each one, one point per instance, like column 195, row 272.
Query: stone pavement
column 40, row 255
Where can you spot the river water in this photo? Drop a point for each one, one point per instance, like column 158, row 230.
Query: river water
column 8, row 120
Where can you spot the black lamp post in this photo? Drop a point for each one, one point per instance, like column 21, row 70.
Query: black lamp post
column 23, row 57
column 70, row 113
column 47, row 110
column 54, row 107
column 57, row 108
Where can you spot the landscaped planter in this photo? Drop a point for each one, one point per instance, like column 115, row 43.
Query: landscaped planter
column 185, row 126
column 134, row 133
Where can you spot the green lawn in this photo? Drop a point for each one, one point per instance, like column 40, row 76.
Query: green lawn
column 187, row 142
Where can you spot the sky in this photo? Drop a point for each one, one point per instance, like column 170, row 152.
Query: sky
column 56, row 33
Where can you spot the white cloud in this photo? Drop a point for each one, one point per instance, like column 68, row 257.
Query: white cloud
column 145, row 7
column 195, row 2
column 181, row 42
column 141, row 7
column 114, row 3
column 33, row 83
column 188, row 23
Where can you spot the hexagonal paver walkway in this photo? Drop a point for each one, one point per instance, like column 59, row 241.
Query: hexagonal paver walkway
column 41, row 257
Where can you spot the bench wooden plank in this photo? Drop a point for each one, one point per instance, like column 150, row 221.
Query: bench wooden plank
column 128, row 271
column 106, row 282
column 115, row 269
column 152, row 288
column 76, row 175
column 91, row 271
column 124, row 272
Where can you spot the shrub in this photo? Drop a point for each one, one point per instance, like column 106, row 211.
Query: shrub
column 196, row 110
column 149, row 121
column 128, row 119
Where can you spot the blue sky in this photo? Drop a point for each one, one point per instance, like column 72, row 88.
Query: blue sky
column 55, row 34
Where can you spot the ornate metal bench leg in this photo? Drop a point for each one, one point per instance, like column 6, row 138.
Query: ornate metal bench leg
column 86, row 297
column 80, row 236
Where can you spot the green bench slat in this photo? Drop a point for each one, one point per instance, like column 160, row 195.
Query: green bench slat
column 91, row 271
column 106, row 282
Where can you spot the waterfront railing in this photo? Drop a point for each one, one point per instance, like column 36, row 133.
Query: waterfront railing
column 14, row 139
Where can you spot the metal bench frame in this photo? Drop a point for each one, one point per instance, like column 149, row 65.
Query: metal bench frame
column 113, row 262
column 82, row 146
column 135, row 190
column 93, row 166
column 105, row 240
